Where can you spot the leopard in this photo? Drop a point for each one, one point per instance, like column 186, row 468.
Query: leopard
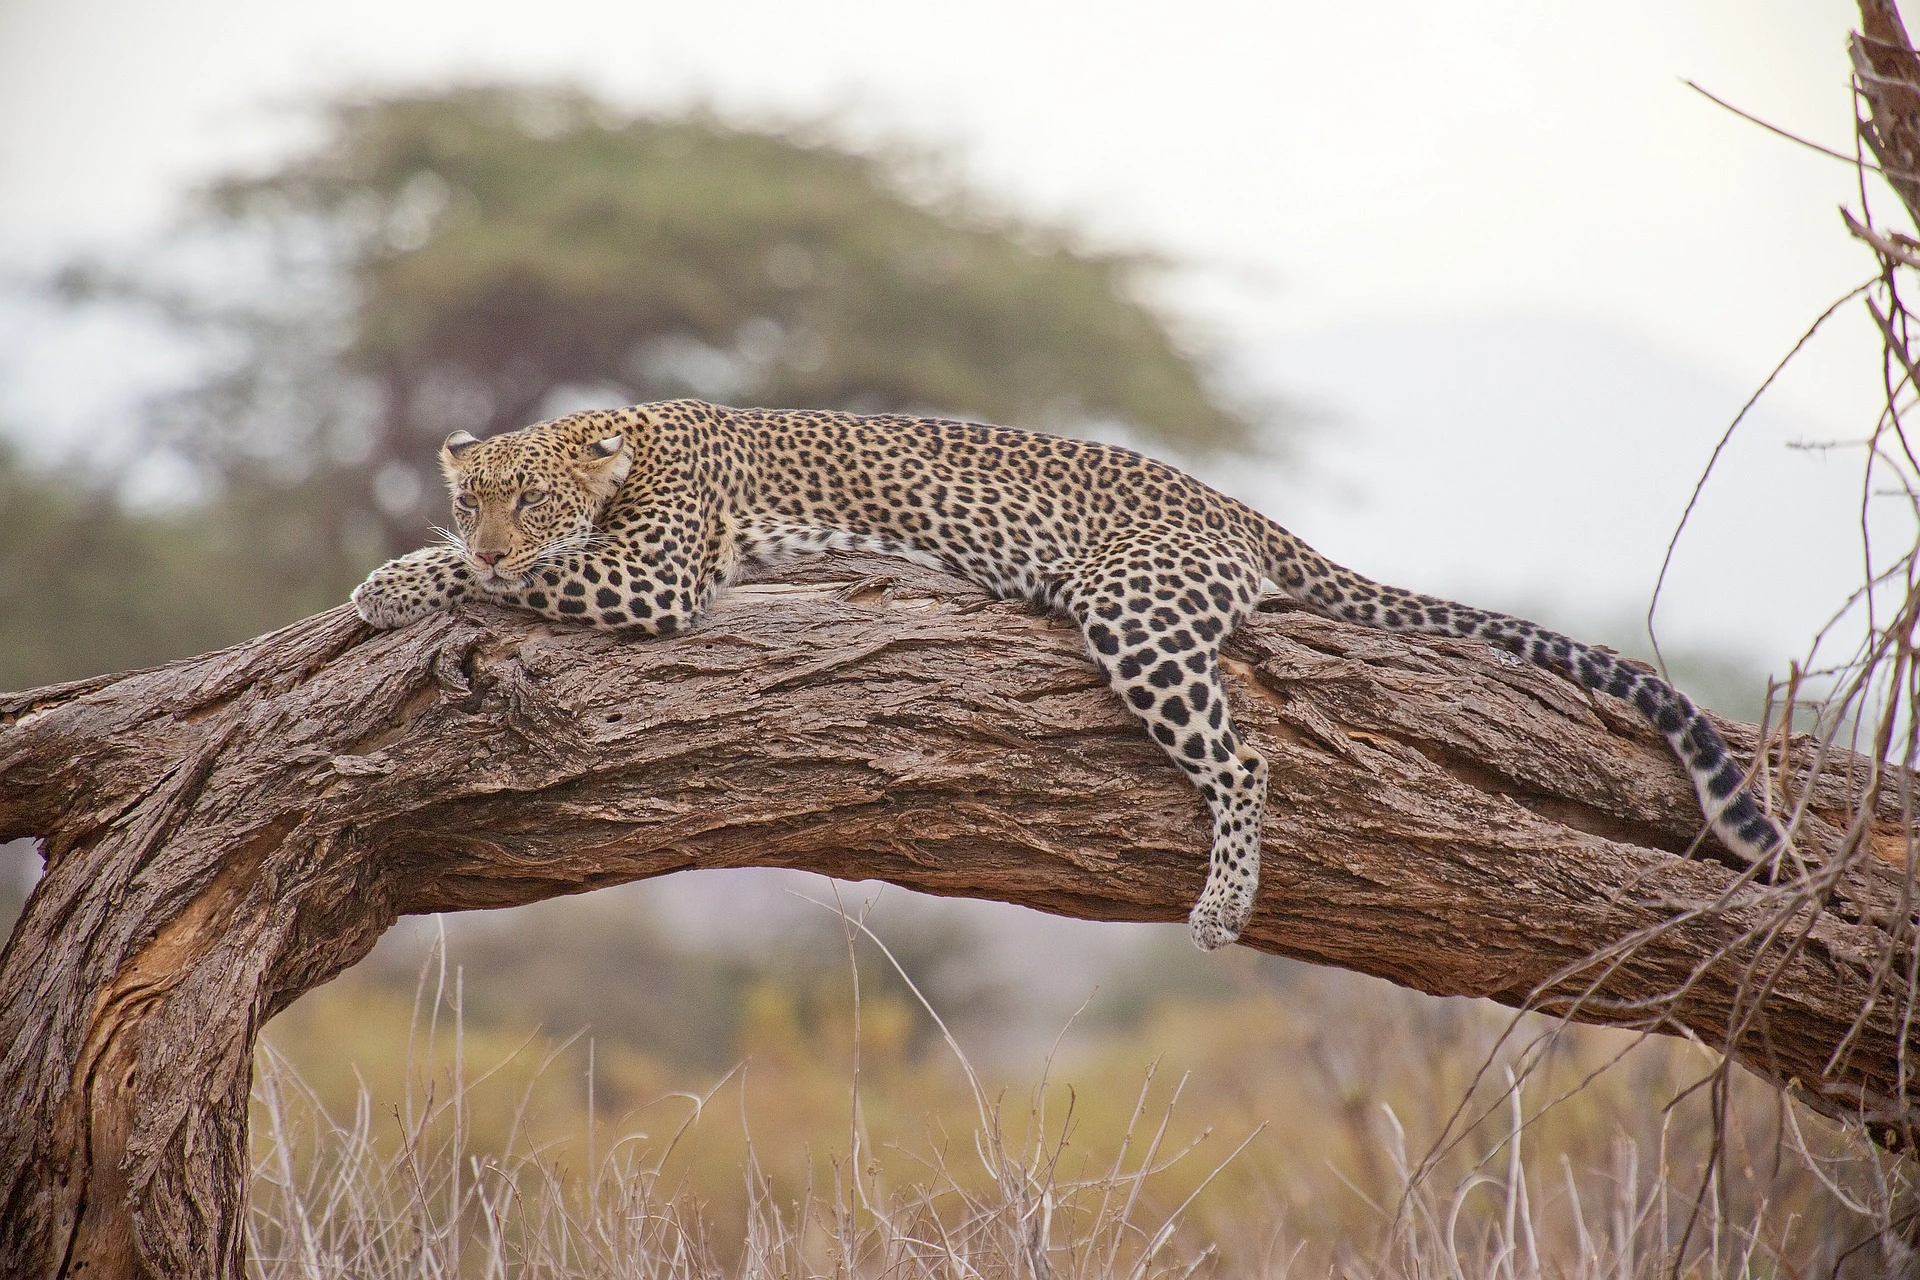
column 632, row 520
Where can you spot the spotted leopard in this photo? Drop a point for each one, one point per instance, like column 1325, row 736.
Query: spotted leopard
column 632, row 519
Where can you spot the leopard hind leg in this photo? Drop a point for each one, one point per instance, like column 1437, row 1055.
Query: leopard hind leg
column 1154, row 631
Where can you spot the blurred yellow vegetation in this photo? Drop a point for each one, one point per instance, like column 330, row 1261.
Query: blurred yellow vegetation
column 1272, row 1122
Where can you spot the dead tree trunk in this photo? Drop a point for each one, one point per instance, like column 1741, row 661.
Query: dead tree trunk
column 226, row 832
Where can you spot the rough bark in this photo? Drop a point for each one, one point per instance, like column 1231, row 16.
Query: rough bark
column 226, row 832
column 1888, row 74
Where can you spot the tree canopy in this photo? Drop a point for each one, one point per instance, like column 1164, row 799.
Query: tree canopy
column 477, row 258
column 481, row 257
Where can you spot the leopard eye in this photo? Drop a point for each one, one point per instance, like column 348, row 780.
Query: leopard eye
column 532, row 497
column 466, row 502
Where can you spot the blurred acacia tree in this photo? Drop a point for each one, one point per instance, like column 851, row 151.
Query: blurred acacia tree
column 482, row 257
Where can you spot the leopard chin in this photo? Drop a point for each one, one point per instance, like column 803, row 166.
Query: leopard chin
column 497, row 578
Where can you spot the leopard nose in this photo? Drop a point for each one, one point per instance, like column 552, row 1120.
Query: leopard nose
column 489, row 558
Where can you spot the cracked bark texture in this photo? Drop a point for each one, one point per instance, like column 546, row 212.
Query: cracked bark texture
column 226, row 832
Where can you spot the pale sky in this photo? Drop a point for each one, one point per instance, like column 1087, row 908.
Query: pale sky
column 1418, row 155
column 1408, row 212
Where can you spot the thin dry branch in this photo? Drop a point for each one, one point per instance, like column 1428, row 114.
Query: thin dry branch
column 227, row 832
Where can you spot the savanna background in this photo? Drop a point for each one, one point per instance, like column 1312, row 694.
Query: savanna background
column 1465, row 294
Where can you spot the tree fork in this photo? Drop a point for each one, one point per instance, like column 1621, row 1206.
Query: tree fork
column 226, row 832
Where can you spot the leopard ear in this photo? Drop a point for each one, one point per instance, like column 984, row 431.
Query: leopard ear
column 603, row 468
column 450, row 450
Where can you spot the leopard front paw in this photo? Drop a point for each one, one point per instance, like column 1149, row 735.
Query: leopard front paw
column 406, row 590
column 387, row 605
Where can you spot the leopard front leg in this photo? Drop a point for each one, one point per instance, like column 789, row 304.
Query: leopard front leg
column 405, row 590
column 616, row 592
column 1155, row 634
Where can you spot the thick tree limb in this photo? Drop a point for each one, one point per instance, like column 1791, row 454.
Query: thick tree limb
column 224, row 833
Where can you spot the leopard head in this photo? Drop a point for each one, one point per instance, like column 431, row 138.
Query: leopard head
column 523, row 498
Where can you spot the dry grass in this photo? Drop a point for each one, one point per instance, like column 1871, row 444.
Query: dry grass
column 433, row 1185
column 330, row 1200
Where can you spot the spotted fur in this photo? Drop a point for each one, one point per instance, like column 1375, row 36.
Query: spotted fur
column 632, row 519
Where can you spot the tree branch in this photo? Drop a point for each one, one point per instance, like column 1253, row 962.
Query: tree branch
column 226, row 832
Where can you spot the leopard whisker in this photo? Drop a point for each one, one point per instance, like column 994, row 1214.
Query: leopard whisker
column 449, row 538
column 550, row 553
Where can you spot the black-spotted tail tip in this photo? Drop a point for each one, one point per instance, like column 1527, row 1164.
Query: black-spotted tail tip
column 1745, row 826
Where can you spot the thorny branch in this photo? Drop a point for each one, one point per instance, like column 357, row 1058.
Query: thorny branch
column 1870, row 704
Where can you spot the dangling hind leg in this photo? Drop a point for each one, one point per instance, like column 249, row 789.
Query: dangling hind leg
column 1164, row 664
column 1236, row 792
